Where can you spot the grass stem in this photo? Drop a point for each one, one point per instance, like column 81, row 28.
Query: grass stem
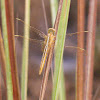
column 5, row 38
column 24, row 78
column 59, row 47
column 90, row 50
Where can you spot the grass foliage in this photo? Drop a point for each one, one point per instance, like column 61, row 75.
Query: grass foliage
column 59, row 48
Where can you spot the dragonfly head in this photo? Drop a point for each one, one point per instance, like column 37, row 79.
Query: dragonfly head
column 51, row 30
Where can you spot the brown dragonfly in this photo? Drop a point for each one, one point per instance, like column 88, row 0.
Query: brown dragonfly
column 47, row 43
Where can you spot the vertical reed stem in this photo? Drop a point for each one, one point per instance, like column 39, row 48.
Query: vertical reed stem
column 54, row 7
column 90, row 49
column 24, row 78
column 80, row 53
column 6, row 46
column 60, row 25
column 2, row 60
column 11, row 42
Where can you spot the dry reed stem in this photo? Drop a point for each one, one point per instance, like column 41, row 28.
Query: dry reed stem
column 2, row 60
column 80, row 53
column 10, row 32
column 90, row 50
column 50, row 55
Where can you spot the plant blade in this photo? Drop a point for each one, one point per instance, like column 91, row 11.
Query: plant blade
column 5, row 37
column 24, row 78
column 59, row 47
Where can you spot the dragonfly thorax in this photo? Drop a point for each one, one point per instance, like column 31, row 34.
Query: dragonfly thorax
column 51, row 30
column 50, row 38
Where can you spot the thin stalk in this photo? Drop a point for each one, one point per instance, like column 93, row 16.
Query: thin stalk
column 49, row 58
column 45, row 17
column 46, row 73
column 54, row 7
column 58, row 16
column 2, row 60
column 90, row 49
column 24, row 78
column 80, row 53
column 59, row 47
column 6, row 46
column 96, row 93
column 11, row 42
column 62, row 87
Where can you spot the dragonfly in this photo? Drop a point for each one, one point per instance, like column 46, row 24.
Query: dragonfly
column 47, row 45
column 49, row 40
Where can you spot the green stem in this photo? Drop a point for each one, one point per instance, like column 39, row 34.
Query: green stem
column 62, row 87
column 25, row 58
column 54, row 7
column 5, row 37
column 59, row 47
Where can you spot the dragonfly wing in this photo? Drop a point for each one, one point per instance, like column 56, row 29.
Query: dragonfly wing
column 40, row 33
column 30, row 39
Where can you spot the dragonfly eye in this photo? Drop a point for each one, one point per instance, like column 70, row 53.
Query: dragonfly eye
column 51, row 30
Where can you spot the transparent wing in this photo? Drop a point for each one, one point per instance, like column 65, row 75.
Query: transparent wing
column 33, row 29
column 30, row 39
column 70, row 34
column 37, row 37
column 34, row 44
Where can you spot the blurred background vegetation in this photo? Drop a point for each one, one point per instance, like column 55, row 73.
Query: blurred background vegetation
column 35, row 53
